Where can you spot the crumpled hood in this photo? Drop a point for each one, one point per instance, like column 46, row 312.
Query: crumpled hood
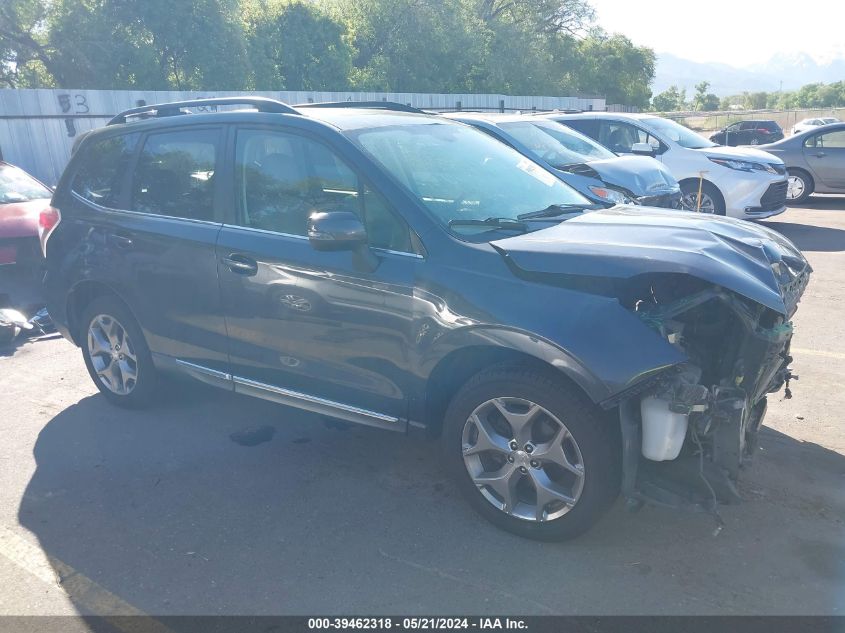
column 625, row 241
column 20, row 219
column 740, row 153
column 641, row 175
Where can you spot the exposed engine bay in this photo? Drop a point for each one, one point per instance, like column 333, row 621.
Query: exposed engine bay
column 686, row 440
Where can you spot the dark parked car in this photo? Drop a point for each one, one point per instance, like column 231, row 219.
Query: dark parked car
column 590, row 168
column 748, row 133
column 815, row 161
column 22, row 198
column 408, row 272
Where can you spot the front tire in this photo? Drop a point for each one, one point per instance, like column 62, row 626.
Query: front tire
column 116, row 354
column 711, row 198
column 530, row 453
column 800, row 186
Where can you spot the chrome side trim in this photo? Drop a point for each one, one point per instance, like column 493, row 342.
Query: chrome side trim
column 315, row 404
column 251, row 229
column 400, row 253
column 291, row 398
column 143, row 214
column 205, row 370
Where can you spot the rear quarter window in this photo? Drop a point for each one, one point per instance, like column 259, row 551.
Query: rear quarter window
column 590, row 127
column 101, row 169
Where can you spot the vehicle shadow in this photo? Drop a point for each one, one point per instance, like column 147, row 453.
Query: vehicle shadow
column 169, row 511
column 823, row 203
column 808, row 237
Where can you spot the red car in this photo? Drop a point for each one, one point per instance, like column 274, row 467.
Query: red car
column 22, row 198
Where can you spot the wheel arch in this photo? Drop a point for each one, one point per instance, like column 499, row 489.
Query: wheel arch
column 694, row 181
column 80, row 296
column 453, row 369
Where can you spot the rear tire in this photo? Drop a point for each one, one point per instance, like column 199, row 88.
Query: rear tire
column 555, row 475
column 800, row 187
column 116, row 354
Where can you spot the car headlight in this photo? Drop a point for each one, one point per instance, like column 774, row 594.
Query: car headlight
column 612, row 195
column 742, row 165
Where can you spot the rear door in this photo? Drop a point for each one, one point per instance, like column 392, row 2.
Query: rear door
column 307, row 326
column 825, row 154
column 151, row 235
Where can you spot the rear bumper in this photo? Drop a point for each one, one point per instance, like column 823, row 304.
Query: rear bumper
column 20, row 250
column 55, row 307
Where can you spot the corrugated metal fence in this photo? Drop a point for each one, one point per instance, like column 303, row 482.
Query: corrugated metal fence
column 38, row 127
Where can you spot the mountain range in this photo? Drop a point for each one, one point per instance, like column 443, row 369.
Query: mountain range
column 793, row 69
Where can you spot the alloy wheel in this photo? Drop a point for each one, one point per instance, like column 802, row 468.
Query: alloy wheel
column 523, row 459
column 690, row 202
column 112, row 354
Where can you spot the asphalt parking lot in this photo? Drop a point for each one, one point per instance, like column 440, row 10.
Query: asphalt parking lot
column 212, row 503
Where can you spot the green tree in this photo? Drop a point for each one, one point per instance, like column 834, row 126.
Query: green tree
column 25, row 60
column 754, row 100
column 151, row 44
column 570, row 17
column 670, row 100
column 411, row 45
column 298, row 46
column 612, row 66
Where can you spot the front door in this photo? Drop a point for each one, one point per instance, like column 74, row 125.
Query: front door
column 307, row 326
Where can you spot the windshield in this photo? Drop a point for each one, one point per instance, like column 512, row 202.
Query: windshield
column 554, row 143
column 460, row 174
column 676, row 132
column 18, row 186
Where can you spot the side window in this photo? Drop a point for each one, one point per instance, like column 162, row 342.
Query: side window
column 831, row 140
column 734, row 127
column 281, row 179
column 590, row 127
column 384, row 228
column 175, row 174
column 102, row 168
column 620, row 137
column 748, row 125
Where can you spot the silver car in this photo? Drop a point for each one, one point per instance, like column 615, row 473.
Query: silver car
column 815, row 160
column 808, row 124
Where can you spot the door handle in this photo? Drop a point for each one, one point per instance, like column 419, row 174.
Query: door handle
column 820, row 154
column 121, row 241
column 241, row 264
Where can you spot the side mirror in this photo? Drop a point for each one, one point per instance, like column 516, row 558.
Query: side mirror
column 642, row 149
column 336, row 231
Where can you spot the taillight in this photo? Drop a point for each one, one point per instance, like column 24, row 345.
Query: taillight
column 47, row 223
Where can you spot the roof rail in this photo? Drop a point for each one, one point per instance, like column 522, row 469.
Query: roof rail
column 557, row 111
column 262, row 104
column 369, row 105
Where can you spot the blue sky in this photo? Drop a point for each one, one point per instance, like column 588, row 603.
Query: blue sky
column 736, row 32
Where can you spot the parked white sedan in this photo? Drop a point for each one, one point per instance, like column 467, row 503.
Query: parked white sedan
column 809, row 124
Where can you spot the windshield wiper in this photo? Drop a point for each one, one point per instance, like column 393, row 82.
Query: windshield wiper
column 499, row 223
column 554, row 210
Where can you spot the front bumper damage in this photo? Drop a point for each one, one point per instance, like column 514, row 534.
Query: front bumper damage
column 687, row 439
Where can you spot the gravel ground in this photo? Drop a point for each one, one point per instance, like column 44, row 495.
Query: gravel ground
column 161, row 512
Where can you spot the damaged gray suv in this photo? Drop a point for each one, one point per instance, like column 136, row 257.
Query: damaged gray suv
column 405, row 271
